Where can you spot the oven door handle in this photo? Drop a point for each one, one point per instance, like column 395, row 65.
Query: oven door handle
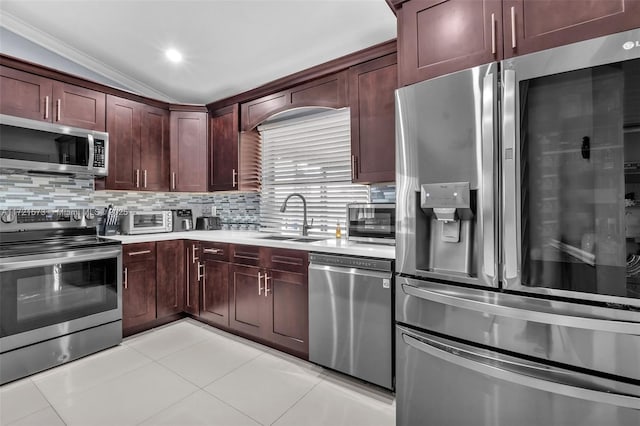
column 48, row 259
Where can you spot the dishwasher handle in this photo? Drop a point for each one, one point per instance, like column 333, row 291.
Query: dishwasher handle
column 350, row 271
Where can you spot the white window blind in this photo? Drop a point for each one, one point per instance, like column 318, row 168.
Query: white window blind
column 309, row 155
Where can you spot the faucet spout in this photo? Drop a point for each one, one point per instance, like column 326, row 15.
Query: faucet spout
column 305, row 225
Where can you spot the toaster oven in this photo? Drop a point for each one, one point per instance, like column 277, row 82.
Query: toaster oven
column 147, row 222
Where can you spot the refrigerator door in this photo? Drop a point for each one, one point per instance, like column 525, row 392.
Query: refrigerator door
column 443, row 382
column 445, row 139
column 589, row 337
column 571, row 171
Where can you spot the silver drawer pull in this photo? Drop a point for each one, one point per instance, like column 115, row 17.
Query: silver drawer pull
column 135, row 253
column 212, row 251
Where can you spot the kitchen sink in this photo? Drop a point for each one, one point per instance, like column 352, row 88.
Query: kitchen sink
column 292, row 238
column 277, row 237
column 307, row 239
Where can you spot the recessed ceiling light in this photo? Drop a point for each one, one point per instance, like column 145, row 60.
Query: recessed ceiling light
column 173, row 55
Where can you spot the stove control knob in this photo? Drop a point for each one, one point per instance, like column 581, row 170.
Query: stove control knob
column 76, row 215
column 89, row 215
column 8, row 216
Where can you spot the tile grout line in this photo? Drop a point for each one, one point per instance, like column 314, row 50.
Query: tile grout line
column 234, row 408
column 299, row 399
column 171, row 405
column 50, row 403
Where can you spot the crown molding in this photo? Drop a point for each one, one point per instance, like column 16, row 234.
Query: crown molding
column 62, row 49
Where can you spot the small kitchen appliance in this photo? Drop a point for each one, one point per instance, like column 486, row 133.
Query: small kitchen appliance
column 208, row 223
column 182, row 220
column 147, row 222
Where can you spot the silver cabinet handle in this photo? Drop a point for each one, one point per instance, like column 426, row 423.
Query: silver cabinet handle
column 523, row 373
column 518, row 309
column 513, row 27
column 188, row 283
column 46, row 107
column 194, row 259
column 126, row 278
column 58, row 109
column 234, row 176
column 145, row 177
column 509, row 181
column 136, row 253
column 266, row 284
column 212, row 250
column 137, row 178
column 260, row 283
column 204, row 288
column 173, row 180
column 486, row 221
column 200, row 271
column 493, row 33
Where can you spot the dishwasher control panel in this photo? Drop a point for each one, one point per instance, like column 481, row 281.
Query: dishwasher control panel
column 351, row 262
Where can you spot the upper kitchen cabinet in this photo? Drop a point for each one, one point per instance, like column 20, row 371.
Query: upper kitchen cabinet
column 223, row 149
column 38, row 98
column 533, row 25
column 138, row 146
column 371, row 97
column 329, row 91
column 437, row 37
column 188, row 151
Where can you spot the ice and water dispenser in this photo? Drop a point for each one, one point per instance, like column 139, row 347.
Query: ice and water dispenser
column 445, row 228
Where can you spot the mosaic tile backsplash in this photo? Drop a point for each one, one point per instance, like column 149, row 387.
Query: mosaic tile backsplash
column 237, row 210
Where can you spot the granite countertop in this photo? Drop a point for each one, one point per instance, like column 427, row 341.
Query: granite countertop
column 331, row 245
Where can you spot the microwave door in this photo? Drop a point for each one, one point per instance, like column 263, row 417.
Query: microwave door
column 571, row 160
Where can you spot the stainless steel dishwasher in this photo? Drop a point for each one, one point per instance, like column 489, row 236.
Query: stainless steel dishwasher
column 350, row 316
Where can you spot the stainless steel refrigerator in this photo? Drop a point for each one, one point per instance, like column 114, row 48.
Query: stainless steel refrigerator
column 518, row 241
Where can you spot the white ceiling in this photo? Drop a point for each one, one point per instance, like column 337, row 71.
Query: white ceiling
column 229, row 46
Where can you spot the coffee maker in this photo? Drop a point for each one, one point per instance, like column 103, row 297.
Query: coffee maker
column 182, row 220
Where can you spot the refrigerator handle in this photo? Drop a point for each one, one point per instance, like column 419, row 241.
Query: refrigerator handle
column 509, row 180
column 533, row 375
column 487, row 189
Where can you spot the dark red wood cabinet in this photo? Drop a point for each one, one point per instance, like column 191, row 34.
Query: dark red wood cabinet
column 371, row 98
column 39, row 98
column 533, row 25
column 223, row 149
column 269, row 301
column 214, row 300
column 437, row 37
column 138, row 285
column 170, row 278
column 188, row 165
column 329, row 91
column 192, row 272
column 138, row 146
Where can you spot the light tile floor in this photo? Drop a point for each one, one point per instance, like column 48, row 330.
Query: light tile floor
column 187, row 373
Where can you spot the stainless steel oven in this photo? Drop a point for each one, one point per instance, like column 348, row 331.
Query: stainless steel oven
column 144, row 222
column 372, row 222
column 60, row 297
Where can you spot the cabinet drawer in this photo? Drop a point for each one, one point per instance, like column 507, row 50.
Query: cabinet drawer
column 215, row 251
column 288, row 260
column 138, row 252
column 245, row 255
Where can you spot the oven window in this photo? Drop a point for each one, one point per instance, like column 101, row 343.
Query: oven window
column 580, row 169
column 148, row 220
column 42, row 296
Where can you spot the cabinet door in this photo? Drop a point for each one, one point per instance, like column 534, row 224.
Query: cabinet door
column 170, row 277
column 123, row 126
column 78, row 107
column 188, row 151
column 246, row 300
column 154, row 149
column 287, row 313
column 215, row 293
column 223, row 150
column 437, row 37
column 139, row 293
column 373, row 135
column 532, row 25
column 25, row 95
column 192, row 282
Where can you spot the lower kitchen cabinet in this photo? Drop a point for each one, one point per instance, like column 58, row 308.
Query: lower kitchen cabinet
column 214, row 284
column 270, row 301
column 192, row 281
column 139, row 284
column 170, row 280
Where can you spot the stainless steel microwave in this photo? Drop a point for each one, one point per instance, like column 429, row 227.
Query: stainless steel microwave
column 372, row 223
column 38, row 146
column 147, row 222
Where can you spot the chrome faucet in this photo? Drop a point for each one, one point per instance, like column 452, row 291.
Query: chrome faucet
column 305, row 225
